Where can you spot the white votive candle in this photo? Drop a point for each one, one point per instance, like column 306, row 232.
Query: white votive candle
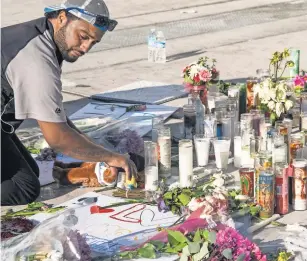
column 185, row 163
column 237, row 151
column 151, row 166
column 202, row 147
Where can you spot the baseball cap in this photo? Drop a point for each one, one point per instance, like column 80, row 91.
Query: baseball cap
column 95, row 12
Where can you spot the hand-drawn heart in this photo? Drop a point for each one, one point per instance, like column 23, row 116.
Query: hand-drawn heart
column 124, row 214
column 97, row 209
column 147, row 219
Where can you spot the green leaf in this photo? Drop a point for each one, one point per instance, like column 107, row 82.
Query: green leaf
column 241, row 257
column 227, row 253
column 147, row 251
column 212, row 237
column 128, row 255
column 197, row 236
column 175, row 249
column 176, row 237
column 203, row 253
column 209, row 236
column 184, row 257
column 158, row 244
column 184, row 199
column 179, row 247
column 186, row 251
column 168, row 195
column 174, row 209
column 194, row 247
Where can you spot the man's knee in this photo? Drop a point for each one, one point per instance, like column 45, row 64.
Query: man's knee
column 33, row 192
column 20, row 191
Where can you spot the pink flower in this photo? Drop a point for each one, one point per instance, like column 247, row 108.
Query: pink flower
column 299, row 81
column 205, row 75
column 231, row 238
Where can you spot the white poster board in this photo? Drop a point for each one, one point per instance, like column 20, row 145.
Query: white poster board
column 126, row 225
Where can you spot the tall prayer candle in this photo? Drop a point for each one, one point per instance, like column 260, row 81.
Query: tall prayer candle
column 186, row 163
column 151, row 166
column 164, row 152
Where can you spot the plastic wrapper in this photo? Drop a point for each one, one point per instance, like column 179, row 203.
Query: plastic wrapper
column 54, row 239
column 33, row 137
column 123, row 136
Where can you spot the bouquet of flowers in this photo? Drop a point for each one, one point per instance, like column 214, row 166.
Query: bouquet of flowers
column 274, row 96
column 273, row 92
column 300, row 81
column 202, row 244
column 200, row 73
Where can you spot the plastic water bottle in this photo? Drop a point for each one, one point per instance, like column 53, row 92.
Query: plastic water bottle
column 160, row 48
column 152, row 37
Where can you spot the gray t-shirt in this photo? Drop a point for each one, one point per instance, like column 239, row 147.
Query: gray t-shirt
column 32, row 69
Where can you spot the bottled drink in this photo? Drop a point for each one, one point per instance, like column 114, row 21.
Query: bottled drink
column 194, row 100
column 152, row 37
column 189, row 121
column 160, row 48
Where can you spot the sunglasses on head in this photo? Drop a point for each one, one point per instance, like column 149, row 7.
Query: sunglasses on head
column 103, row 22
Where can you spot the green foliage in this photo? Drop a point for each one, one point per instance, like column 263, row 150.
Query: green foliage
column 193, row 246
column 279, row 63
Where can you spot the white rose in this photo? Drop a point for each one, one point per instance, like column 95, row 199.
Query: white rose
column 219, row 182
column 279, row 109
column 257, row 89
column 272, row 94
column 288, row 104
column 193, row 71
column 271, row 105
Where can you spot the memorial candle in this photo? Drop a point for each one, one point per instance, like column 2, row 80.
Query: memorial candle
column 186, row 163
column 151, row 166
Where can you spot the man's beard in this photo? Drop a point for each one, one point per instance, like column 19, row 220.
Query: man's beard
column 60, row 40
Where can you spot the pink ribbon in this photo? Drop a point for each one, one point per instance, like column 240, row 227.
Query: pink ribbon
column 190, row 87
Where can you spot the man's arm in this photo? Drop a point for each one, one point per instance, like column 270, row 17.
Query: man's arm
column 73, row 126
column 71, row 143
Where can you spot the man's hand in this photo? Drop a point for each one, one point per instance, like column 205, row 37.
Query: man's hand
column 124, row 162
column 63, row 138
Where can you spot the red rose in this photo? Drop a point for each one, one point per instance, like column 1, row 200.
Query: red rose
column 196, row 78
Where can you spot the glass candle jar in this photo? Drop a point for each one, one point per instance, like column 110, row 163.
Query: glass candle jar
column 280, row 150
column 262, row 161
column 303, row 102
column 303, row 122
column 296, row 117
column 299, row 186
column 185, row 163
column 296, row 143
column 164, row 152
column 157, row 123
column 151, row 166
column 282, row 189
column 250, row 102
column 202, row 148
column 266, row 193
column 247, row 181
column 255, row 146
column 246, row 121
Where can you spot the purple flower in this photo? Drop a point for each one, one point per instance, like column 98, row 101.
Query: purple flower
column 162, row 206
column 128, row 141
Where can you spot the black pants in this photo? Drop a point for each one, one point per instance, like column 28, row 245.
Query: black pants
column 19, row 172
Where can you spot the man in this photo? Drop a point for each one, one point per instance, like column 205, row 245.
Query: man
column 32, row 55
